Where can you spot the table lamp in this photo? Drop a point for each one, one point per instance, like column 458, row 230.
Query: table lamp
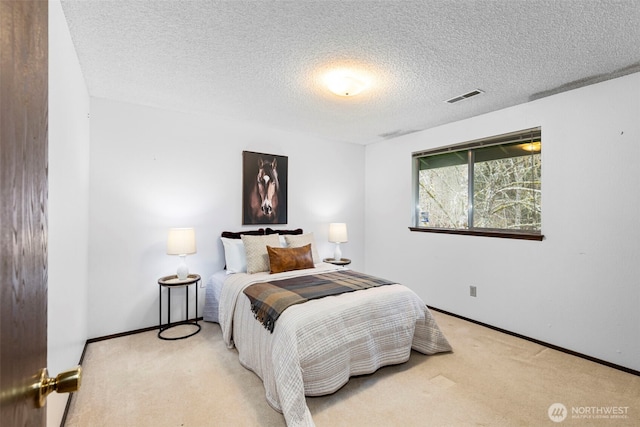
column 337, row 235
column 181, row 242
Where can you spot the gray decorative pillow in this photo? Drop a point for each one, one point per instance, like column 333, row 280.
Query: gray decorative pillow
column 296, row 241
column 256, row 251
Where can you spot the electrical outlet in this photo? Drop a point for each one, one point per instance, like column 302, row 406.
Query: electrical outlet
column 472, row 291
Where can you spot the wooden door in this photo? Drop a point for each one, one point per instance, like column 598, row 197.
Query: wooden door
column 23, row 207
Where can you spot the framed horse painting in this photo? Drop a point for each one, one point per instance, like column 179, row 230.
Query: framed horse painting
column 264, row 188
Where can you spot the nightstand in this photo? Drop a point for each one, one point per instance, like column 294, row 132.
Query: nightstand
column 172, row 282
column 341, row 261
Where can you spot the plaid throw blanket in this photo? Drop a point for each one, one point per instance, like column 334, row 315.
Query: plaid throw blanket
column 270, row 299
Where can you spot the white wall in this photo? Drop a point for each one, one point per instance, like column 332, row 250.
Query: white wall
column 68, row 207
column 579, row 288
column 153, row 169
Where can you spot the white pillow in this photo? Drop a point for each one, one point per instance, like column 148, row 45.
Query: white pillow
column 255, row 249
column 234, row 255
column 298, row 240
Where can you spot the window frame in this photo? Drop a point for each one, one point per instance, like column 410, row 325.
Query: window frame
column 522, row 136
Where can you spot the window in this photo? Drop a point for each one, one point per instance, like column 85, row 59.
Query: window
column 487, row 187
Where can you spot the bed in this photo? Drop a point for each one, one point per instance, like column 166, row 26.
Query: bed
column 316, row 346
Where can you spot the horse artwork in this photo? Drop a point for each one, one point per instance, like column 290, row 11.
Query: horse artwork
column 264, row 183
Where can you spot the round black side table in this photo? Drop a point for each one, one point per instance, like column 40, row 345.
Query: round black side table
column 172, row 282
column 341, row 261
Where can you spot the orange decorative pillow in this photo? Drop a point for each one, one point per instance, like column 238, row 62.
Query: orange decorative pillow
column 287, row 259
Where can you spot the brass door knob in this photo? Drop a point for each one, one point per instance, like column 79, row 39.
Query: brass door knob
column 65, row 382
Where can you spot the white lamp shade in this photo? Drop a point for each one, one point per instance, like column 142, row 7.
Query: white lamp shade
column 181, row 241
column 338, row 232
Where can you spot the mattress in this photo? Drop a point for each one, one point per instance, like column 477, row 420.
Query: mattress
column 213, row 288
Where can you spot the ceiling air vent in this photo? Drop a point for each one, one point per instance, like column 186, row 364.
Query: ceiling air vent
column 464, row 96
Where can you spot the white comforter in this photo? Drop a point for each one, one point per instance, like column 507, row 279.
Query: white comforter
column 316, row 346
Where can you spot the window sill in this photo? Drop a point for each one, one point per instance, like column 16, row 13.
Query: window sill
column 522, row 235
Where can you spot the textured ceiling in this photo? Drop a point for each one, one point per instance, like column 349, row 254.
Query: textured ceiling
column 262, row 61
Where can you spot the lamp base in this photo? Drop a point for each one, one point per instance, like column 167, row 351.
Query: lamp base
column 337, row 254
column 183, row 270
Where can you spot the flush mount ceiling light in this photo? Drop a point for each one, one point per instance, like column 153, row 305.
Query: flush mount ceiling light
column 345, row 82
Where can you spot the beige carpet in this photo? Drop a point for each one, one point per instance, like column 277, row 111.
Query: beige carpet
column 491, row 379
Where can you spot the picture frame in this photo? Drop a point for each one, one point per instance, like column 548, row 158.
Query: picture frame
column 264, row 188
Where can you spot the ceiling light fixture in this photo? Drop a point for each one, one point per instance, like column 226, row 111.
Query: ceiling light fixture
column 346, row 82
